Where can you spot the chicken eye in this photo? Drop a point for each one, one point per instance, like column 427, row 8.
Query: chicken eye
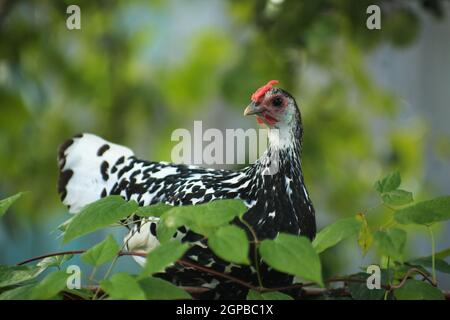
column 277, row 102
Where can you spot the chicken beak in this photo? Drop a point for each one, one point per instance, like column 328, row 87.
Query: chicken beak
column 253, row 108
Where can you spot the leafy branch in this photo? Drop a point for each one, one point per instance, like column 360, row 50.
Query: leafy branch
column 222, row 227
column 304, row 286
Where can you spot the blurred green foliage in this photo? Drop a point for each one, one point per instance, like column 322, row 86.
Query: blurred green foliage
column 120, row 77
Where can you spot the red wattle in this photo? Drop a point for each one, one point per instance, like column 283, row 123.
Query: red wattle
column 270, row 120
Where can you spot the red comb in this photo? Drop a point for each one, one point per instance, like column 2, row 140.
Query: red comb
column 262, row 91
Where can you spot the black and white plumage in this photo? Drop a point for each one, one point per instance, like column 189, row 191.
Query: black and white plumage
column 91, row 168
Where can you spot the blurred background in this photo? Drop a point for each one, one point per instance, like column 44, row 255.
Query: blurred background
column 372, row 100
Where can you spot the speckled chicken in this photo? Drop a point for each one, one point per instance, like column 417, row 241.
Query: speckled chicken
column 272, row 188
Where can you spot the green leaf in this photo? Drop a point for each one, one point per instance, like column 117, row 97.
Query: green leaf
column 365, row 236
column 397, row 197
column 276, row 295
column 391, row 243
column 254, row 295
column 50, row 286
column 359, row 290
column 55, row 261
column 440, row 264
column 167, row 226
column 101, row 253
column 6, row 203
column 425, row 212
column 159, row 289
column 163, row 256
column 231, row 244
column 12, row 275
column 402, row 270
column 122, row 286
column 18, row 293
column 389, row 183
column 273, row 295
column 203, row 219
column 81, row 294
column 336, row 232
column 63, row 226
column 294, row 255
column 155, row 210
column 99, row 214
column 418, row 290
column 443, row 253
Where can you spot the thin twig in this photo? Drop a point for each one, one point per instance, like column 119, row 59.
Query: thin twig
column 255, row 251
column 217, row 273
column 61, row 253
column 408, row 274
